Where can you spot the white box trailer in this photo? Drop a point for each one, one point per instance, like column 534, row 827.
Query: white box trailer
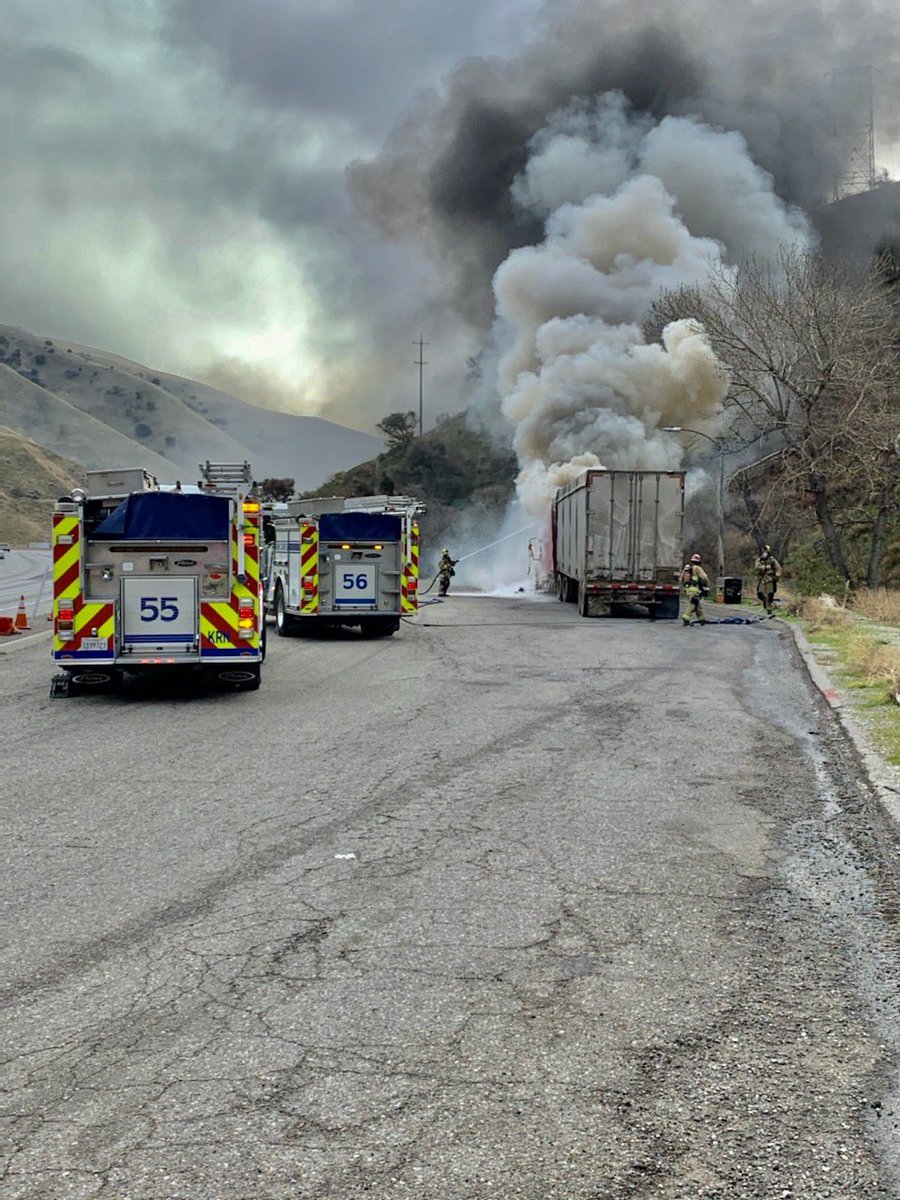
column 617, row 538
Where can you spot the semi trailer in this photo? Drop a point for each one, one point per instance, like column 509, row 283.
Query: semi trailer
column 617, row 539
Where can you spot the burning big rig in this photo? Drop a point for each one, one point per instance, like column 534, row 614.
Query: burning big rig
column 617, row 539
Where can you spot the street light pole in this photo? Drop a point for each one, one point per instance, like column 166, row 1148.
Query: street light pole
column 720, row 450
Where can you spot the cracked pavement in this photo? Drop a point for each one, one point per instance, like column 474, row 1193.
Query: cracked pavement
column 513, row 904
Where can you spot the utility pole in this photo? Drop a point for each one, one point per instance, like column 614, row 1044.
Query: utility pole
column 421, row 364
column 720, row 506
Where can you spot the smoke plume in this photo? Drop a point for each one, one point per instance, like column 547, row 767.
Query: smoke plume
column 631, row 207
column 709, row 125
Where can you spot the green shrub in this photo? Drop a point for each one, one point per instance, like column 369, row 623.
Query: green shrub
column 810, row 573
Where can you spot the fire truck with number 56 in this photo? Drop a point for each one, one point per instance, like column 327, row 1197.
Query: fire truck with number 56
column 344, row 562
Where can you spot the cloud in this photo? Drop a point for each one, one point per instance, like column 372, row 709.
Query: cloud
column 174, row 189
column 284, row 195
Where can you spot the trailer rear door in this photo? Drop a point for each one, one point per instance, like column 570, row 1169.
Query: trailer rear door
column 160, row 616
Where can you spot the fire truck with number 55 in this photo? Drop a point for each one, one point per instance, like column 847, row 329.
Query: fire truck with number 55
column 149, row 579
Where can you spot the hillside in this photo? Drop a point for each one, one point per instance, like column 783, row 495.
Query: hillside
column 101, row 410
column 465, row 482
column 31, row 481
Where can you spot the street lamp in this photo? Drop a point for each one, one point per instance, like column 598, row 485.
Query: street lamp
column 721, row 514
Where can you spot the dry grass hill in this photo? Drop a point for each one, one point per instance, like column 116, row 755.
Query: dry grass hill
column 31, row 480
column 101, row 410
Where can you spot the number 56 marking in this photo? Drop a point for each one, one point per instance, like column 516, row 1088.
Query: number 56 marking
column 162, row 608
column 358, row 581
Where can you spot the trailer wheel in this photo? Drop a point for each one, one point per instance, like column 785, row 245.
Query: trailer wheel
column 567, row 589
column 284, row 624
column 583, row 603
column 667, row 609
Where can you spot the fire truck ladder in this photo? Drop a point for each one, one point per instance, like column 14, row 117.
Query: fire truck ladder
column 227, row 478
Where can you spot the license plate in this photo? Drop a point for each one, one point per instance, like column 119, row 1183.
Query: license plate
column 94, row 644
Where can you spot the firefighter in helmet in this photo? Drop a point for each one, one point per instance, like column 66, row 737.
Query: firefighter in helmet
column 695, row 585
column 445, row 571
column 768, row 572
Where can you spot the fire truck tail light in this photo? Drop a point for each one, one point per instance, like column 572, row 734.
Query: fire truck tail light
column 309, row 585
column 249, row 539
column 66, row 614
column 251, row 506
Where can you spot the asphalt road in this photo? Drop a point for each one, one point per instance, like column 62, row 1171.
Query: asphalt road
column 26, row 573
column 511, row 905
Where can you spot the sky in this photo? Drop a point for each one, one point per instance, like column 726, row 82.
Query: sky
column 280, row 196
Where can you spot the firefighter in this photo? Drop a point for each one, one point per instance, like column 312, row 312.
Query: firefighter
column 768, row 572
column 695, row 585
column 446, row 572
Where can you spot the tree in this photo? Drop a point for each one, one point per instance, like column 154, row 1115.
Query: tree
column 276, row 489
column 812, row 351
column 399, row 428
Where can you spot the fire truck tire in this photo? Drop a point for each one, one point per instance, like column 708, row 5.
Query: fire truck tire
column 285, row 626
column 262, row 640
column 240, row 679
column 87, row 681
column 380, row 627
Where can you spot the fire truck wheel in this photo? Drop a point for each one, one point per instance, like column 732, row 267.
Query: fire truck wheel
column 285, row 626
column 382, row 627
column 240, row 679
column 82, row 683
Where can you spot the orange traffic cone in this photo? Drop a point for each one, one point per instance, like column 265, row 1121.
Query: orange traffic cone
column 22, row 615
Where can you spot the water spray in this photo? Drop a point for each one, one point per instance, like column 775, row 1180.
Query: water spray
column 516, row 533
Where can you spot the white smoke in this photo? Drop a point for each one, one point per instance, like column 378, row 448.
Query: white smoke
column 631, row 209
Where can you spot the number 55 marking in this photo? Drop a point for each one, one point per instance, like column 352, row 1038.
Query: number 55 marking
column 163, row 609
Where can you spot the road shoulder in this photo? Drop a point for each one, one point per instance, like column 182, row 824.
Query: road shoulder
column 883, row 777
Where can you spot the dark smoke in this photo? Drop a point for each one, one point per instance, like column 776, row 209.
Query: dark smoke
column 443, row 179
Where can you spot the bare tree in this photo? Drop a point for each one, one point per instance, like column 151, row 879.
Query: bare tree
column 812, row 351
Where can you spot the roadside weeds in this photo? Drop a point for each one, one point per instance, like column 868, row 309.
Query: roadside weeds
column 860, row 650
